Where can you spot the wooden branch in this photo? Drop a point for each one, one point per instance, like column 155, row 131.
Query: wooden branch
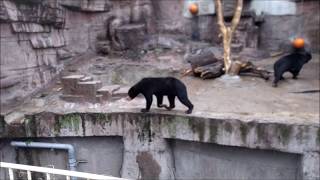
column 220, row 16
column 237, row 15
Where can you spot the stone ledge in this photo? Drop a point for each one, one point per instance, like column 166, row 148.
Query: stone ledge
column 290, row 138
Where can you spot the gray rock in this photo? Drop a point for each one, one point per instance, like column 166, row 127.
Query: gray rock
column 64, row 54
column 103, row 47
column 131, row 36
column 9, row 82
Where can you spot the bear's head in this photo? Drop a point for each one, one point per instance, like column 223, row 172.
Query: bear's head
column 132, row 93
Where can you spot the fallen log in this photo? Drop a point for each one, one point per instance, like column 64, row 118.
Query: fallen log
column 210, row 71
column 248, row 68
column 204, row 57
column 216, row 69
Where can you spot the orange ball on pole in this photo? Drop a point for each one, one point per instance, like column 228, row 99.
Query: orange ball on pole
column 193, row 8
column 298, row 43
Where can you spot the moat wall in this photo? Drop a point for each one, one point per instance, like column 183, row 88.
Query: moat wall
column 163, row 146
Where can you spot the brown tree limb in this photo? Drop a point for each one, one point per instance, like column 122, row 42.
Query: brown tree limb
column 220, row 16
column 237, row 15
column 226, row 31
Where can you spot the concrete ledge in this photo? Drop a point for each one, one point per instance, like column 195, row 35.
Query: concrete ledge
column 150, row 133
column 291, row 138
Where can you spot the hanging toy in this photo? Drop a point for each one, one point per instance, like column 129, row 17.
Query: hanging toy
column 193, row 8
column 298, row 43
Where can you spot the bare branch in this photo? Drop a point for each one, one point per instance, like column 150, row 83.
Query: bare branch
column 220, row 16
column 237, row 15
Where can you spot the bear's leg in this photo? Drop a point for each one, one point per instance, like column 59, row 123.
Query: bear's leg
column 159, row 101
column 172, row 103
column 295, row 73
column 277, row 77
column 182, row 96
column 148, row 102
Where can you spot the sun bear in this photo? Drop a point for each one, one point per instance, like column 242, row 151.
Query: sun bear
column 161, row 86
column 292, row 63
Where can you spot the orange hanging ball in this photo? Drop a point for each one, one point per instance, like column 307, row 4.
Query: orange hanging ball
column 298, row 43
column 193, row 8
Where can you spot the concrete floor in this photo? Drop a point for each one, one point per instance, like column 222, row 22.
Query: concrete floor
column 246, row 98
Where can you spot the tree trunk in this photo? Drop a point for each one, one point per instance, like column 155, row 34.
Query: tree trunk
column 227, row 50
column 227, row 32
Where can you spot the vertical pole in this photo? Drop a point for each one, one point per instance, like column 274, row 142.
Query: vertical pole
column 11, row 174
column 29, row 175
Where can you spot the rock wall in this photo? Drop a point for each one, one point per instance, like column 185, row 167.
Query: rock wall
column 39, row 37
column 274, row 34
column 164, row 146
column 277, row 31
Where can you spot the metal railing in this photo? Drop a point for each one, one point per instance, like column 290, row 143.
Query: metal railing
column 49, row 171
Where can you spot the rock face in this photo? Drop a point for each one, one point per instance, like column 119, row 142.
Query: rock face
column 46, row 40
column 131, row 36
column 304, row 23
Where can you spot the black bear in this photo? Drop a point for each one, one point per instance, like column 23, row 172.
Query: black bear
column 161, row 86
column 291, row 63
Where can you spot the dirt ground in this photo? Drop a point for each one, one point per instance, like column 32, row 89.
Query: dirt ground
column 247, row 98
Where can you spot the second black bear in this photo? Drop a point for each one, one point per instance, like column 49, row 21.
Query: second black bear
column 291, row 63
column 161, row 86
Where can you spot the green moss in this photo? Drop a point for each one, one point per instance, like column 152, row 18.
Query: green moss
column 318, row 136
column 2, row 125
column 100, row 118
column 144, row 129
column 228, row 127
column 300, row 134
column 68, row 121
column 244, row 130
column 260, row 130
column 57, row 125
column 30, row 126
column 284, row 132
column 171, row 124
column 197, row 126
column 116, row 79
column 213, row 126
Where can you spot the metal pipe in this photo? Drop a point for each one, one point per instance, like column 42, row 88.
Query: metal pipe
column 71, row 151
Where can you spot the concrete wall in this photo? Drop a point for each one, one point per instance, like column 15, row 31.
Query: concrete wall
column 210, row 161
column 191, row 160
column 100, row 155
column 169, row 146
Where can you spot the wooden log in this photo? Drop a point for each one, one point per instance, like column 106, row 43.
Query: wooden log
column 248, row 68
column 210, row 71
column 204, row 57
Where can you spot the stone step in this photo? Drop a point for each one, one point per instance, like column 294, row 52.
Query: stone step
column 121, row 92
column 89, row 88
column 86, row 79
column 72, row 98
column 82, row 98
column 70, row 83
column 107, row 91
column 236, row 47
